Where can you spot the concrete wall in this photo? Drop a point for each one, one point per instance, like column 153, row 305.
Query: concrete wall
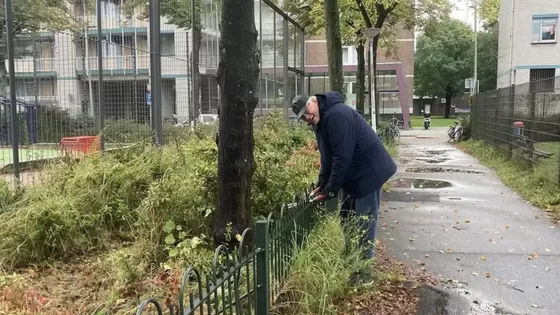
column 517, row 41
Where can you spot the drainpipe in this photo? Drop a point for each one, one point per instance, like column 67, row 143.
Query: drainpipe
column 511, row 41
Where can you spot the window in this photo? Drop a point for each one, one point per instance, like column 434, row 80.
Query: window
column 542, row 79
column 111, row 8
column 345, row 55
column 168, row 44
column 544, row 28
column 349, row 55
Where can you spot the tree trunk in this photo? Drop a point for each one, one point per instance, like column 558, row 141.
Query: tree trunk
column 197, row 38
column 334, row 46
column 361, row 79
column 237, row 75
column 448, row 98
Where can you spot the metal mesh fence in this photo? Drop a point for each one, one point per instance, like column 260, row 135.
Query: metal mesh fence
column 522, row 121
column 57, row 79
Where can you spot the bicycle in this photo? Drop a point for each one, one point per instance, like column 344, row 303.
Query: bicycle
column 396, row 122
column 455, row 133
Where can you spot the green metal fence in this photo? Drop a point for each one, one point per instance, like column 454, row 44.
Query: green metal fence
column 244, row 280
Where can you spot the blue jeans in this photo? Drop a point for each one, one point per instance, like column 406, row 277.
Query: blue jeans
column 366, row 208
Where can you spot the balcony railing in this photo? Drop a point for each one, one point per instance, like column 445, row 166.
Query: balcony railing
column 115, row 21
column 116, row 63
column 40, row 98
column 118, row 21
column 29, row 65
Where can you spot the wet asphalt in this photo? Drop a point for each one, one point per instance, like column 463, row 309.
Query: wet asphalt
column 494, row 252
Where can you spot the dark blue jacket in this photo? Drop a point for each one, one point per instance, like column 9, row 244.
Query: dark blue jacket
column 352, row 156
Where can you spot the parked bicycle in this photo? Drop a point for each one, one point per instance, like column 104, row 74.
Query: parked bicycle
column 455, row 132
column 397, row 123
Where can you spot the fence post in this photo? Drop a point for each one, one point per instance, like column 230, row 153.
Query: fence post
column 331, row 205
column 511, row 119
column 262, row 285
column 14, row 119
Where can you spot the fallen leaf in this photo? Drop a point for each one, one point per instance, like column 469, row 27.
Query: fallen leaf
column 533, row 256
column 449, row 250
column 427, row 255
column 534, row 306
column 507, row 226
column 474, row 273
column 546, row 249
column 487, row 275
column 467, row 221
column 483, row 258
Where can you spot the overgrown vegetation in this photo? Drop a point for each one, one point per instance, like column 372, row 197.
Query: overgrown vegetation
column 320, row 272
column 538, row 183
column 130, row 215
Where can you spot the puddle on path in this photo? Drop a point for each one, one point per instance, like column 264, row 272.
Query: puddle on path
column 439, row 170
column 436, row 152
column 419, row 183
column 434, row 161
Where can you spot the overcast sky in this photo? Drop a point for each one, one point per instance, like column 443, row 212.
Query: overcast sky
column 463, row 12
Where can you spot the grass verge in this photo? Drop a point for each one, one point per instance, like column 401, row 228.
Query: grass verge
column 538, row 184
column 436, row 121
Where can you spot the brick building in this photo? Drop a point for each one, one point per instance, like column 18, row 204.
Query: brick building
column 390, row 96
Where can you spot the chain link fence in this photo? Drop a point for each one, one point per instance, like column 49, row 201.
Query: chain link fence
column 99, row 78
column 522, row 121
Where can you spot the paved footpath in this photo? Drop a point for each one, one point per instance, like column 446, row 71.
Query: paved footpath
column 482, row 239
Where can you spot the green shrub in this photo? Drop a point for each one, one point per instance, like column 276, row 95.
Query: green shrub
column 132, row 192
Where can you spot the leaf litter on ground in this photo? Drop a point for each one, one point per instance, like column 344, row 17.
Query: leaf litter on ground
column 394, row 289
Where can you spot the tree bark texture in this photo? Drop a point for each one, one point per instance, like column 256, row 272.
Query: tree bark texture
column 334, row 46
column 197, row 39
column 448, row 97
column 237, row 76
column 361, row 79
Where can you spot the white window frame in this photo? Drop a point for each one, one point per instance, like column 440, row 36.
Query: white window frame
column 351, row 54
column 548, row 20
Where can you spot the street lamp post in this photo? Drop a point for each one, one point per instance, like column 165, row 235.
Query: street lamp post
column 369, row 34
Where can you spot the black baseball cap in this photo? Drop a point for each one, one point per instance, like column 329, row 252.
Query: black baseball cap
column 298, row 105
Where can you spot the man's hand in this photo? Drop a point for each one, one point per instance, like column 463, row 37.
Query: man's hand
column 322, row 194
column 321, row 183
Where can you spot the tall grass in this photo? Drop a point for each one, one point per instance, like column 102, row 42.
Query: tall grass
column 321, row 270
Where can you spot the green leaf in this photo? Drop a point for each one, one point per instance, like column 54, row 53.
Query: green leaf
column 173, row 252
column 182, row 235
column 195, row 241
column 170, row 239
column 178, row 228
column 169, row 226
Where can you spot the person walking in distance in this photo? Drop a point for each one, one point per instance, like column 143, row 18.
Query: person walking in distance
column 353, row 160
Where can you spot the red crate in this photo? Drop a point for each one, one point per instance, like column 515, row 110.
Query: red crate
column 79, row 146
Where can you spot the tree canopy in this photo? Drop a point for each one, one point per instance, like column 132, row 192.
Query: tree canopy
column 489, row 12
column 443, row 60
column 356, row 15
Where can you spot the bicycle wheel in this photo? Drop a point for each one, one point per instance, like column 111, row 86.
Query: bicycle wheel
column 451, row 134
column 459, row 134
